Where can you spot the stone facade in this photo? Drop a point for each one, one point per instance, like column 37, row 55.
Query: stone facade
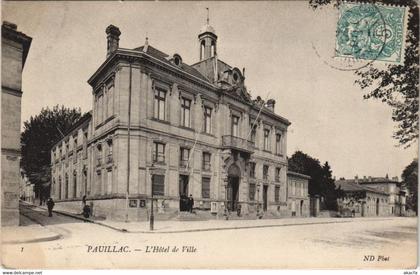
column 372, row 196
column 161, row 128
column 15, row 47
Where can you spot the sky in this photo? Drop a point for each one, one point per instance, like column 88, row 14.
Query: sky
column 286, row 48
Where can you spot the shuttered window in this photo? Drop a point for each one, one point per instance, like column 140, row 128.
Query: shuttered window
column 158, row 186
column 277, row 193
column 205, row 188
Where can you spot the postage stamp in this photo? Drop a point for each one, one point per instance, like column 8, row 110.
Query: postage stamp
column 371, row 32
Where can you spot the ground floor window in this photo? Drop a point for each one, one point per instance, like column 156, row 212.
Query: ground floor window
column 277, row 193
column 205, row 188
column 252, row 191
column 158, row 185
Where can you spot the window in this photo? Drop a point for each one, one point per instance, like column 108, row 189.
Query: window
column 99, row 155
column 265, row 172
column 207, row 120
column 253, row 133
column 205, row 188
column 59, row 187
column 235, row 126
column 100, row 109
column 109, row 156
column 158, row 185
column 266, row 139
column 252, row 191
column 66, row 187
column 278, row 144
column 277, row 193
column 159, row 152
column 67, row 147
column 206, row 161
column 74, row 184
column 85, row 135
column 277, row 174
column 185, row 112
column 252, row 170
column 110, row 95
column 159, row 104
column 184, row 157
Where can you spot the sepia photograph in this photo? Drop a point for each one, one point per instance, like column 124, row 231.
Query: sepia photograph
column 209, row 135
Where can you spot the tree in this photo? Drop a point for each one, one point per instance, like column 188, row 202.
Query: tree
column 40, row 133
column 321, row 182
column 397, row 85
column 410, row 179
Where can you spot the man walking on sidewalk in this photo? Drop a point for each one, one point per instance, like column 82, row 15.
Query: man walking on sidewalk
column 50, row 205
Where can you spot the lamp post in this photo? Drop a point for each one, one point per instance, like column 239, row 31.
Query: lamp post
column 152, row 217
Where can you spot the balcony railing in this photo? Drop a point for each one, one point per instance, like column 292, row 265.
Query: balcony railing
column 183, row 163
column 206, row 166
column 237, row 143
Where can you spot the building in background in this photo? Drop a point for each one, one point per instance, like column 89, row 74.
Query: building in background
column 14, row 49
column 164, row 129
column 298, row 201
column 373, row 196
column 26, row 190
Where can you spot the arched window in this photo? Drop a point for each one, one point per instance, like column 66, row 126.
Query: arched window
column 202, row 47
column 213, row 49
column 74, row 184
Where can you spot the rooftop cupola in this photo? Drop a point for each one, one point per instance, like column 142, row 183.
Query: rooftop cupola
column 113, row 39
column 208, row 40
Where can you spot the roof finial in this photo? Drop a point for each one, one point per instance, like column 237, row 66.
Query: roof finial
column 208, row 15
column 146, row 44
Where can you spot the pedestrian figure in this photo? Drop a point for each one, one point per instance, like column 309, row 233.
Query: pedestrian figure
column 50, row 205
column 190, row 203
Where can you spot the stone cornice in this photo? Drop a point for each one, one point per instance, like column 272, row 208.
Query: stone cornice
column 11, row 91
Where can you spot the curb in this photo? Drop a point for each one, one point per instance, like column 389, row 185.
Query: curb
column 224, row 228
column 35, row 240
column 54, row 237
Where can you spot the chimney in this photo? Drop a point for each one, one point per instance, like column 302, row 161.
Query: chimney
column 113, row 38
column 386, row 176
column 9, row 25
column 270, row 104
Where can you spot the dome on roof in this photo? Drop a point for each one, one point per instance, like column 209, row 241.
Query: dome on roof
column 207, row 28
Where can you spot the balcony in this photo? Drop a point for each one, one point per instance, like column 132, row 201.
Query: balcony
column 236, row 143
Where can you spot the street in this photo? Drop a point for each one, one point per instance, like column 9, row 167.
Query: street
column 383, row 242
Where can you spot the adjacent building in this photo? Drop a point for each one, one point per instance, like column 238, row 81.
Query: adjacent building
column 14, row 49
column 373, row 196
column 162, row 129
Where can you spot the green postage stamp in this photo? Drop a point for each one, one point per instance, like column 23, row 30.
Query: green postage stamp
column 371, row 32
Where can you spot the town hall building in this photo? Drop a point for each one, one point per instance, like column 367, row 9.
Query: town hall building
column 161, row 130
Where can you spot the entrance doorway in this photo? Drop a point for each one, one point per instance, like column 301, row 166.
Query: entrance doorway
column 265, row 189
column 183, row 193
column 301, row 207
column 232, row 193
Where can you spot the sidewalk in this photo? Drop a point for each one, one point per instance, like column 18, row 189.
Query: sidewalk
column 27, row 232
column 174, row 226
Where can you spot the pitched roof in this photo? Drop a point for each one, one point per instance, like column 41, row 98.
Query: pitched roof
column 347, row 185
column 166, row 58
